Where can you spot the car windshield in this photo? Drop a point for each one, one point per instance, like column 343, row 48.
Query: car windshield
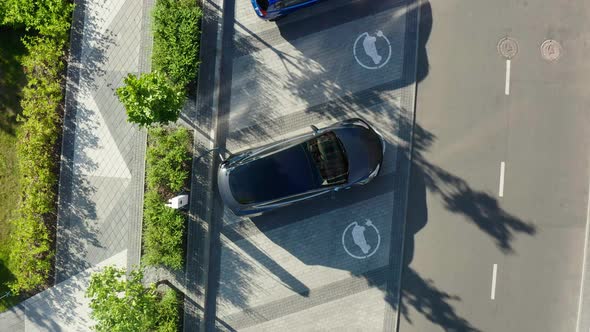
column 329, row 157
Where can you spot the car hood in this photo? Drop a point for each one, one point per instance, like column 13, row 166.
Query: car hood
column 364, row 150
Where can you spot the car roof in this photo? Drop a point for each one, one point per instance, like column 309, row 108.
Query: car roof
column 281, row 174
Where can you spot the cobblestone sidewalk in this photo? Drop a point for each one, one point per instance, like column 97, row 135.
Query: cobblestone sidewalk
column 102, row 169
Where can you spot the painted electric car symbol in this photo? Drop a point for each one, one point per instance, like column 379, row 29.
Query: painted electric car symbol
column 376, row 50
column 365, row 239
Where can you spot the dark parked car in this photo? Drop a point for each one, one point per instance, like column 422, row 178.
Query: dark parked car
column 329, row 159
column 274, row 9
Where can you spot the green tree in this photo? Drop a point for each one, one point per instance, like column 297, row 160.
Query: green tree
column 122, row 304
column 151, row 98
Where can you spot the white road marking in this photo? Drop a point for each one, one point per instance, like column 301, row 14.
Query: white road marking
column 494, row 273
column 584, row 263
column 501, row 189
column 507, row 85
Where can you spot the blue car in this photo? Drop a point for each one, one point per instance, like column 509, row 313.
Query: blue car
column 274, row 9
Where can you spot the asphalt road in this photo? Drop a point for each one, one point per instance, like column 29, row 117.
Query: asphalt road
column 467, row 124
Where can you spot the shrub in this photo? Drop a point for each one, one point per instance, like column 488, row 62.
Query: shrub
column 168, row 159
column 168, row 312
column 121, row 303
column 151, row 98
column 30, row 256
column 163, row 233
column 176, row 39
column 168, row 164
column 50, row 18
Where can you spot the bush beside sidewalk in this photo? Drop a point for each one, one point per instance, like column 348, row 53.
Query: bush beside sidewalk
column 47, row 24
column 167, row 174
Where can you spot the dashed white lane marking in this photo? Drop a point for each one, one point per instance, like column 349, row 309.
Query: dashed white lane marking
column 507, row 84
column 502, row 170
column 494, row 273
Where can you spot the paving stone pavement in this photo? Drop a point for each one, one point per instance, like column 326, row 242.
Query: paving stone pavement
column 287, row 270
column 101, row 182
column 62, row 307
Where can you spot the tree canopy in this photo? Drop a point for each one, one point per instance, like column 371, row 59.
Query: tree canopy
column 151, row 98
column 121, row 303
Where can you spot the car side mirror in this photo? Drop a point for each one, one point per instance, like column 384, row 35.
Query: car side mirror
column 315, row 129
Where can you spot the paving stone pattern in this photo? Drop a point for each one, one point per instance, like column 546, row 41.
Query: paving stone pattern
column 62, row 307
column 101, row 183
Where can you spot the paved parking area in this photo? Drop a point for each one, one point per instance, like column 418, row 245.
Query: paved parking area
column 300, row 268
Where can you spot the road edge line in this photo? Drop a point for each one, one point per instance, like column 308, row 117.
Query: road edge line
column 582, row 279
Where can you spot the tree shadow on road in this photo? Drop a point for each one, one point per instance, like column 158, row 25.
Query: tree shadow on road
column 478, row 207
column 308, row 75
column 419, row 293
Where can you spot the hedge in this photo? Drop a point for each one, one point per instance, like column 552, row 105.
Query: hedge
column 50, row 18
column 168, row 312
column 176, row 39
column 40, row 125
column 31, row 253
column 167, row 173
